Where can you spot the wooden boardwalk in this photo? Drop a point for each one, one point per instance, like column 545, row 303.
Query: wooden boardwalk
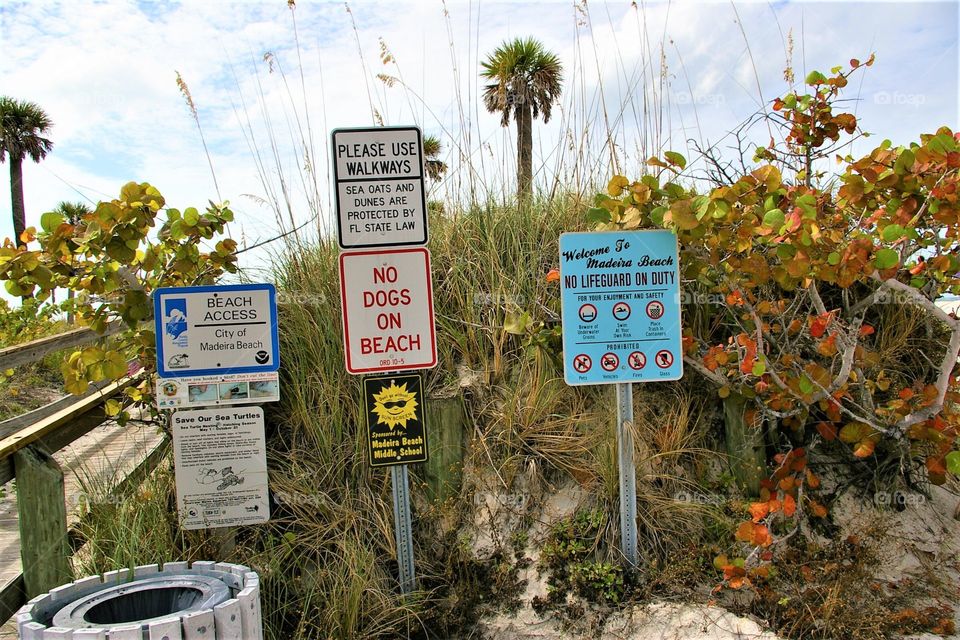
column 99, row 459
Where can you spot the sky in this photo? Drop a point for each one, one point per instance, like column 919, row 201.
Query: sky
column 270, row 82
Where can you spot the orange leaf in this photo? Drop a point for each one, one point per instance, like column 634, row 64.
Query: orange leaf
column 906, row 393
column 789, row 506
column 827, row 430
column 745, row 532
column 553, row 275
column 864, row 448
column 828, row 347
column 733, row 571
column 936, row 466
column 759, row 510
column 812, row 481
column 749, row 359
column 818, row 509
column 866, row 330
column 833, row 411
column 819, row 325
column 761, row 536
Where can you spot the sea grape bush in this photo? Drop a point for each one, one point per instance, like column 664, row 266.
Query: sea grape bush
column 113, row 258
column 805, row 260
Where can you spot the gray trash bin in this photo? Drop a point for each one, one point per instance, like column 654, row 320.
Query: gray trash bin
column 203, row 601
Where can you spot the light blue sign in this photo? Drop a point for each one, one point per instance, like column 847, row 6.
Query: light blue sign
column 216, row 330
column 620, row 295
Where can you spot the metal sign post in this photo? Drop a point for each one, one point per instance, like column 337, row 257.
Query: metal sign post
column 628, row 473
column 620, row 301
column 397, row 435
column 402, row 527
column 387, row 299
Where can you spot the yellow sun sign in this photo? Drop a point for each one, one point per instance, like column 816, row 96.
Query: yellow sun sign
column 394, row 405
column 396, row 424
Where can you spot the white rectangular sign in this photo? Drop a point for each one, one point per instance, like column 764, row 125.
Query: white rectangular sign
column 378, row 173
column 220, row 457
column 387, row 303
column 209, row 391
column 215, row 330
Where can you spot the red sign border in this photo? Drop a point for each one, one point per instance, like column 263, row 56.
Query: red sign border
column 345, row 322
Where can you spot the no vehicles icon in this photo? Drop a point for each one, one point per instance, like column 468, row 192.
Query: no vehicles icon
column 610, row 361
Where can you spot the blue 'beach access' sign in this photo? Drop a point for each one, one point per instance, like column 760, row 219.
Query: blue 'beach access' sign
column 216, row 330
column 620, row 295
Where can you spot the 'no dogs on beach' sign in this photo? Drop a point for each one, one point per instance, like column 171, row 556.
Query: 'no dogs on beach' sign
column 388, row 322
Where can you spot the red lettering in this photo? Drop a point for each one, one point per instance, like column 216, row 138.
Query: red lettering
column 390, row 344
column 386, row 298
column 385, row 274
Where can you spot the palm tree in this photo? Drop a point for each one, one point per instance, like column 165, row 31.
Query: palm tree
column 431, row 149
column 73, row 213
column 22, row 125
column 527, row 80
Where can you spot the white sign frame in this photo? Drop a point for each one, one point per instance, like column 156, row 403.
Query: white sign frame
column 410, row 305
column 368, row 197
column 229, row 352
column 220, row 464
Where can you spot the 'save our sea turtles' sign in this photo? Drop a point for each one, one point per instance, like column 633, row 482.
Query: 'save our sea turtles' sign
column 378, row 173
column 620, row 296
column 387, row 302
column 220, row 460
column 395, row 425
column 216, row 330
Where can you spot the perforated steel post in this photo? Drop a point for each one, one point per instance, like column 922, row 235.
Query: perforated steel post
column 628, row 473
column 402, row 527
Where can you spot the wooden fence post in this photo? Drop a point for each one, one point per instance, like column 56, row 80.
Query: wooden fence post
column 42, row 515
column 446, row 435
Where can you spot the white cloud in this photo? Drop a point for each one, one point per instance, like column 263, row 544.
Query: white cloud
column 105, row 73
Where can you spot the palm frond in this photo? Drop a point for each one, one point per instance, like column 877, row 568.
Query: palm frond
column 522, row 72
column 22, row 125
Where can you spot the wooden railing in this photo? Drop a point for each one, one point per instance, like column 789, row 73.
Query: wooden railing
column 26, row 445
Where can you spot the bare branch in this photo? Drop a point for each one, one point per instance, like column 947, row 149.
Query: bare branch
column 712, row 376
column 919, row 299
column 949, row 358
